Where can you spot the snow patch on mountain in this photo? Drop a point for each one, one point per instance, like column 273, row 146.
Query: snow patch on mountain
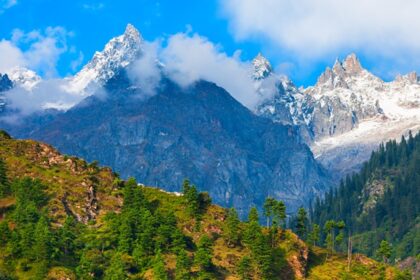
column 348, row 112
column 24, row 77
column 118, row 53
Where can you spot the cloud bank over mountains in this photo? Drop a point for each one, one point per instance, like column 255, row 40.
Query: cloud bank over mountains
column 183, row 57
column 316, row 28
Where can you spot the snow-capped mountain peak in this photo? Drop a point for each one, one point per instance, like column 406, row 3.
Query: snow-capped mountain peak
column 352, row 65
column 410, row 78
column 262, row 67
column 24, row 77
column 118, row 53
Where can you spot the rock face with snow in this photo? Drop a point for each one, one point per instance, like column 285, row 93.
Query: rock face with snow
column 200, row 133
column 262, row 67
column 118, row 53
column 348, row 112
column 24, row 77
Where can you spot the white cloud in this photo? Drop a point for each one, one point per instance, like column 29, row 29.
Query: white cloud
column 189, row 58
column 145, row 71
column 46, row 94
column 37, row 50
column 93, row 6
column 314, row 29
column 6, row 4
column 11, row 56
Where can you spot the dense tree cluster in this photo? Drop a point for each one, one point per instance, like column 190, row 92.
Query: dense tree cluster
column 393, row 215
column 128, row 243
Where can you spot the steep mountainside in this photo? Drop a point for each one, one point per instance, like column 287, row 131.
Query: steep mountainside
column 5, row 84
column 347, row 113
column 138, row 232
column 201, row 133
column 381, row 202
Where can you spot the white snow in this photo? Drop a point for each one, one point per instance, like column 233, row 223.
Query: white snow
column 118, row 53
column 24, row 77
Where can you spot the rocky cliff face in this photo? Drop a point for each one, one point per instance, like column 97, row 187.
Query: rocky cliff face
column 5, row 84
column 347, row 113
column 200, row 133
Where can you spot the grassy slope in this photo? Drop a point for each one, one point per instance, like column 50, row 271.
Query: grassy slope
column 70, row 180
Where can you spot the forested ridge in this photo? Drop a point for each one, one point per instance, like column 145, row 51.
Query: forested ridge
column 64, row 218
column 381, row 202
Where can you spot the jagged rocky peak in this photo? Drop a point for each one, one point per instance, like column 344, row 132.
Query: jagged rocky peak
column 352, row 64
column 410, row 78
column 336, row 77
column 262, row 67
column 118, row 53
column 5, row 82
column 24, row 77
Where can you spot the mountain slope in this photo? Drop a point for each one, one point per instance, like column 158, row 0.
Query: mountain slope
column 117, row 53
column 381, row 202
column 347, row 113
column 200, row 133
column 141, row 233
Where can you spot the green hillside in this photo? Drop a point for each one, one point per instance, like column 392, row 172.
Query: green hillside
column 62, row 218
column 380, row 202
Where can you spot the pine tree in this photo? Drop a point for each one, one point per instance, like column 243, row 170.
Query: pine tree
column 4, row 183
column 231, row 232
column 253, row 215
column 204, row 254
column 262, row 254
column 302, row 220
column 159, row 271
column 384, row 250
column 42, row 240
column 313, row 237
column 252, row 227
column 279, row 211
column 115, row 270
column 5, row 233
column 67, row 236
column 329, row 230
column 191, row 197
column 268, row 208
column 183, row 266
column 245, row 268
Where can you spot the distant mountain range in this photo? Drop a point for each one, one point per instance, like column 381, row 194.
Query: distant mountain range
column 239, row 155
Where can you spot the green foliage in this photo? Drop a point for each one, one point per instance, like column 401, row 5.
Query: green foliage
column 183, row 266
column 302, row 221
column 204, row 254
column 313, row 237
column 253, row 215
column 159, row 271
column 393, row 215
column 279, row 211
column 384, row 250
column 245, row 268
column 232, row 232
column 116, row 269
column 4, row 182
column 269, row 209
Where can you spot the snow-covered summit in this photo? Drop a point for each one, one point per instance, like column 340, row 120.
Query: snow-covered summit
column 262, row 67
column 118, row 53
column 348, row 112
column 24, row 77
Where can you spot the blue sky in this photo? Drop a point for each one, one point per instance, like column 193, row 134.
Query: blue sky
column 299, row 48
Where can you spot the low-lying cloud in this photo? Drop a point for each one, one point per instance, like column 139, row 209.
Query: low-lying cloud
column 189, row 58
column 47, row 94
column 184, row 57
